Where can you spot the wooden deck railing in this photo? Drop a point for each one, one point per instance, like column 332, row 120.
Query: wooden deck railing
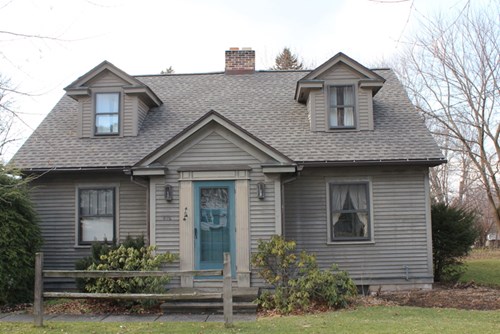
column 40, row 274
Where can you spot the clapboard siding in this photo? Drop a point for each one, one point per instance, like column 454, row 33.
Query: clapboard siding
column 106, row 79
column 399, row 217
column 142, row 110
column 54, row 196
column 213, row 148
column 363, row 108
column 320, row 110
column 87, row 117
column 340, row 72
column 129, row 115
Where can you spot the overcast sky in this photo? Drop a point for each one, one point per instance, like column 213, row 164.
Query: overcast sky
column 146, row 36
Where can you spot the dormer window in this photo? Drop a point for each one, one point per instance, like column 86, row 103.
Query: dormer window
column 107, row 113
column 341, row 107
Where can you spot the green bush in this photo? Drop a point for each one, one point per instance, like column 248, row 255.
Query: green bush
column 298, row 282
column 20, row 239
column 131, row 255
column 453, row 234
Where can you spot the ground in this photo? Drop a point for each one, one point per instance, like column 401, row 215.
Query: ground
column 460, row 296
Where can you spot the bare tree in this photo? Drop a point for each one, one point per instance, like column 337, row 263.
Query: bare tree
column 452, row 72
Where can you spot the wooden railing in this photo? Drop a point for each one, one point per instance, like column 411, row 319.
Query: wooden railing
column 40, row 274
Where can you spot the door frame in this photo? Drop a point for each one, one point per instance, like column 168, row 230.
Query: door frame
column 241, row 179
column 197, row 186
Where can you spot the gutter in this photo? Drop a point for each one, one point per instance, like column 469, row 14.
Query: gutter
column 430, row 162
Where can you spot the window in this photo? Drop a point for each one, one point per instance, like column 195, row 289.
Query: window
column 349, row 211
column 107, row 112
column 341, row 107
column 96, row 215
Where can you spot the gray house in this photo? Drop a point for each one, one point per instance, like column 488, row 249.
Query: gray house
column 336, row 159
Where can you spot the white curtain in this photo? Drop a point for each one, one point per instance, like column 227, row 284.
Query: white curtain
column 339, row 194
column 348, row 101
column 357, row 194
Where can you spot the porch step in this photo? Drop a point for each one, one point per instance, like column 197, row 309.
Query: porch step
column 209, row 300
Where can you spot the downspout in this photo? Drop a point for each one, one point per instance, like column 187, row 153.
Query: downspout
column 283, row 182
column 148, row 228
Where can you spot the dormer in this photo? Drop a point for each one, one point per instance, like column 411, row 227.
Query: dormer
column 339, row 94
column 111, row 102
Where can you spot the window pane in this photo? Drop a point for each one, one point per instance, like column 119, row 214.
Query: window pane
column 348, row 95
column 333, row 117
column 96, row 214
column 348, row 117
column 107, row 103
column 97, row 229
column 341, row 106
column 106, row 123
column 349, row 215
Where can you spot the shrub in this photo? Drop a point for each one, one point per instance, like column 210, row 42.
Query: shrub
column 20, row 239
column 131, row 255
column 297, row 279
column 453, row 234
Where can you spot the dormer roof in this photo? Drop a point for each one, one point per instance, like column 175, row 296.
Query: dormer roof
column 369, row 79
column 131, row 85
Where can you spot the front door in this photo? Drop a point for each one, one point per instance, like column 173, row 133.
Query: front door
column 214, row 224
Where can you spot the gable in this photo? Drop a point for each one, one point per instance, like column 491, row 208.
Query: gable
column 106, row 79
column 214, row 146
column 341, row 71
column 212, row 141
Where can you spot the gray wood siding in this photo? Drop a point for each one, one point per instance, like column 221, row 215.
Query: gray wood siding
column 342, row 74
column 400, row 231
column 129, row 115
column 55, row 200
column 142, row 111
column 106, row 79
column 320, row 110
column 365, row 108
column 87, row 117
column 213, row 149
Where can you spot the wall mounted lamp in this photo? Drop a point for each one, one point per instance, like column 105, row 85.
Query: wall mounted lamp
column 168, row 192
column 261, row 190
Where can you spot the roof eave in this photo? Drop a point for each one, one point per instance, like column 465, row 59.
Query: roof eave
column 429, row 162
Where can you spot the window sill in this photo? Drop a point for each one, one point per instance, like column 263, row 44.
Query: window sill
column 82, row 246
column 350, row 242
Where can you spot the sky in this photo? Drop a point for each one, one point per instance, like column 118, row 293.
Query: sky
column 148, row 36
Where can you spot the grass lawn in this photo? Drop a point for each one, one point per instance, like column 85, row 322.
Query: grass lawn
column 483, row 267
column 376, row 319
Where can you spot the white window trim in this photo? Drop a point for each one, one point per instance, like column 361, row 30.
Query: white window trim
column 348, row 180
column 121, row 98
column 78, row 187
column 327, row 89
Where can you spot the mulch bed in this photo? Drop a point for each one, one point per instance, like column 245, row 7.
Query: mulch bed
column 461, row 296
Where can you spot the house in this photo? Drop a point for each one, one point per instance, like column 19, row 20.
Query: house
column 335, row 158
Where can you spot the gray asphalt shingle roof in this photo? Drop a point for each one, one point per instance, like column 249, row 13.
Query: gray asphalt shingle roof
column 262, row 103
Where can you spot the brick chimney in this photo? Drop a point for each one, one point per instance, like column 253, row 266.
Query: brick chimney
column 240, row 61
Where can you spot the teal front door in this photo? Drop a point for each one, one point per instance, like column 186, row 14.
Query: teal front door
column 214, row 224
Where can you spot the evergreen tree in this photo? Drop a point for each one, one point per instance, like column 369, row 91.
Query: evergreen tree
column 286, row 60
column 20, row 239
column 168, row 70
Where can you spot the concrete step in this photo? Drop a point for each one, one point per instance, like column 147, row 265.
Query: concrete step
column 206, row 307
column 209, row 300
